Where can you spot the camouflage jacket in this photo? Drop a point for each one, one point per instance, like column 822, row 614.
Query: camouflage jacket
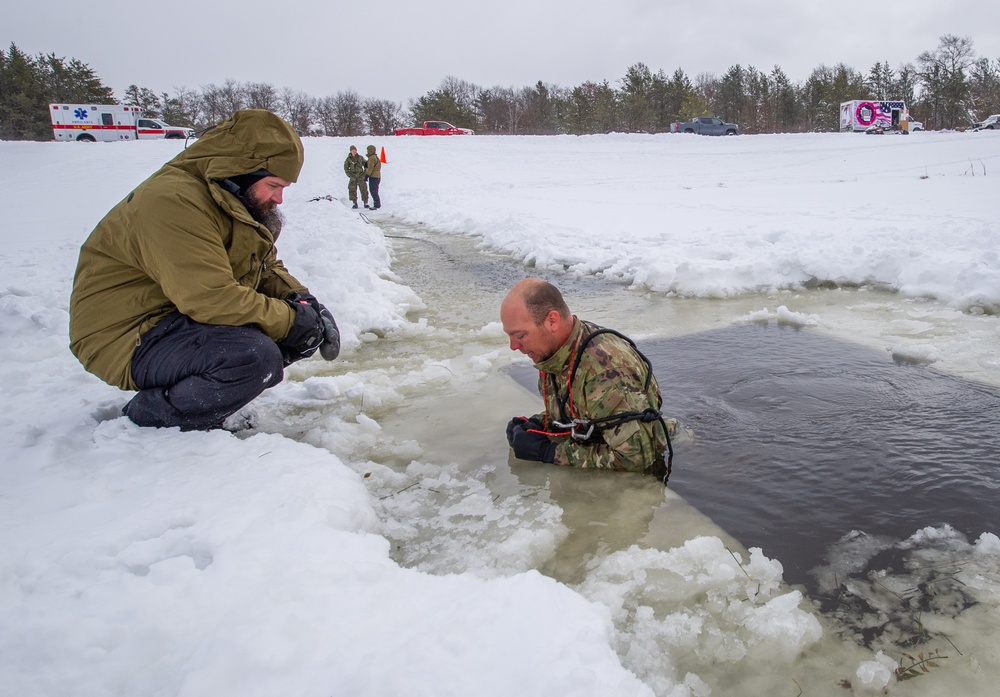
column 354, row 166
column 609, row 380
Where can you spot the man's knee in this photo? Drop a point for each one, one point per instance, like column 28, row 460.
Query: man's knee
column 256, row 354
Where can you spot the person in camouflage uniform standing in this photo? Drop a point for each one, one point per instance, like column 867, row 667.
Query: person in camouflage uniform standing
column 602, row 403
column 354, row 168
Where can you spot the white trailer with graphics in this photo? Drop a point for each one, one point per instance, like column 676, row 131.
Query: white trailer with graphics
column 874, row 116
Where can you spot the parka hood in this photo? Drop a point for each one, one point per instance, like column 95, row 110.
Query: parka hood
column 249, row 140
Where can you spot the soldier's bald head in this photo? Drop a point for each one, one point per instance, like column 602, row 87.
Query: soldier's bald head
column 539, row 298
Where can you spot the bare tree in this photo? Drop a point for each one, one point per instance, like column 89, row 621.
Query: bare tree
column 183, row 108
column 348, row 114
column 296, row 107
column 325, row 116
column 261, row 95
column 501, row 109
column 383, row 116
column 221, row 102
column 943, row 74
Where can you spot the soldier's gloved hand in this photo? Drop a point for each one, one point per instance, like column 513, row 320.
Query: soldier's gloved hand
column 532, row 446
column 517, row 421
column 330, row 348
column 306, row 333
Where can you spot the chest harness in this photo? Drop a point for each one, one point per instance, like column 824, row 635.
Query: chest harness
column 590, row 430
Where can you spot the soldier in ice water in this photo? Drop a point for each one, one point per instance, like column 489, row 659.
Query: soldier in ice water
column 602, row 402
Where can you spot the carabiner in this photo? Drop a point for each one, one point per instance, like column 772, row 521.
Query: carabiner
column 574, row 427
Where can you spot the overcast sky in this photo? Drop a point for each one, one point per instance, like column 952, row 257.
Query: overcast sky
column 401, row 49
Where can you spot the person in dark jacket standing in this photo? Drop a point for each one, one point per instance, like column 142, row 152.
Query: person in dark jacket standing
column 354, row 168
column 179, row 293
column 373, row 174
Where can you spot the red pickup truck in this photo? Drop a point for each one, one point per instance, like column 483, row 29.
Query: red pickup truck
column 435, row 128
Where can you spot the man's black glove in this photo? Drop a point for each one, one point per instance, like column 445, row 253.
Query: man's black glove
column 305, row 335
column 532, row 446
column 517, row 421
column 330, row 348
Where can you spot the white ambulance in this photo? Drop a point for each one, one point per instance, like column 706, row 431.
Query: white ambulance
column 108, row 122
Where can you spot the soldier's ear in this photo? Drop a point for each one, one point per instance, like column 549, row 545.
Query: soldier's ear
column 552, row 320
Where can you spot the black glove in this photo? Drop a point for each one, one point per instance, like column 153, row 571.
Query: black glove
column 366, row 177
column 305, row 335
column 532, row 446
column 517, row 421
column 330, row 348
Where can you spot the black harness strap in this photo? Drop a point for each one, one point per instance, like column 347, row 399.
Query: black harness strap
column 592, row 428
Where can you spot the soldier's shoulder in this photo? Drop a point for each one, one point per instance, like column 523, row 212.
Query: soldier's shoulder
column 608, row 348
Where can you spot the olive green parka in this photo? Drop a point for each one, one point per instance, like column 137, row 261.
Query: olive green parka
column 182, row 242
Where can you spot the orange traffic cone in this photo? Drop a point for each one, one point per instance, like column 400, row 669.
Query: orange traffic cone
column 381, row 156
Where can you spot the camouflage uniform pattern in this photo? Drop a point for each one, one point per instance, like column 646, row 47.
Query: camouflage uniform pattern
column 609, row 380
column 354, row 168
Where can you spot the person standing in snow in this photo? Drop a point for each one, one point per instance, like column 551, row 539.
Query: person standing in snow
column 373, row 175
column 179, row 293
column 354, row 168
column 602, row 402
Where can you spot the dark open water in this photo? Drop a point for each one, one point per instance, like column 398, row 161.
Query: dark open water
column 800, row 439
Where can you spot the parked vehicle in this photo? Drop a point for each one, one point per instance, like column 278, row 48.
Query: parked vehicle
column 435, row 128
column 874, row 116
column 152, row 129
column 990, row 123
column 108, row 122
column 706, row 126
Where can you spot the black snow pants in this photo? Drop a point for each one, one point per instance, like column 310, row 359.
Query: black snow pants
column 194, row 375
column 373, row 183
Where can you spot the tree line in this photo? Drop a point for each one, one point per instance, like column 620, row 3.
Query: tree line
column 945, row 88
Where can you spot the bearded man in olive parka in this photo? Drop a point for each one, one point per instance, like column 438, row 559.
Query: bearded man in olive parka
column 179, row 293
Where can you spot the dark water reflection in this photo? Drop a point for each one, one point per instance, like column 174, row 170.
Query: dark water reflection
column 801, row 439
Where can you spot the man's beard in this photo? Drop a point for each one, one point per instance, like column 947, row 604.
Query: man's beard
column 266, row 213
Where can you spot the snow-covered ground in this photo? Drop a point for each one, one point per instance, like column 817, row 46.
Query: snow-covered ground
column 137, row 561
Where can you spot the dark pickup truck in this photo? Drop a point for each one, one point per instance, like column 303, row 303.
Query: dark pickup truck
column 706, row 126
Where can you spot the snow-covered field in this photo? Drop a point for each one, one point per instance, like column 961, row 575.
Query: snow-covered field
column 137, row 561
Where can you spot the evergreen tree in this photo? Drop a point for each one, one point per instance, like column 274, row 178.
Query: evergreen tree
column 453, row 102
column 544, row 104
column 24, row 111
column 984, row 88
column 144, row 98
column 731, row 98
column 28, row 85
column 787, row 111
column 591, row 108
column 881, row 83
column 635, row 100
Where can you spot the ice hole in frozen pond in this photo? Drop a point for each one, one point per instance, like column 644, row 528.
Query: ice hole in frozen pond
column 801, row 439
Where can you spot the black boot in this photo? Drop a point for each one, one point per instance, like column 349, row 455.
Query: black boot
column 356, row 205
